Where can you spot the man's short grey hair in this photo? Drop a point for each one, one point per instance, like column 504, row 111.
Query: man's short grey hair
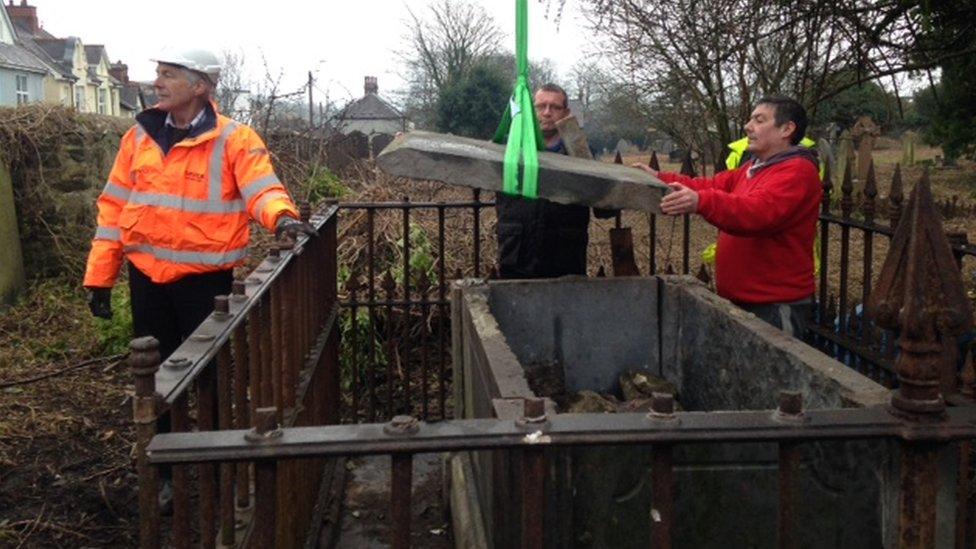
column 193, row 77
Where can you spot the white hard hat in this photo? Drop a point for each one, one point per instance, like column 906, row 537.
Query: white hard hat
column 201, row 61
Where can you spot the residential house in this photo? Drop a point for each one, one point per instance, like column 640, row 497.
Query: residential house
column 107, row 90
column 130, row 96
column 21, row 72
column 370, row 114
column 79, row 75
column 59, row 82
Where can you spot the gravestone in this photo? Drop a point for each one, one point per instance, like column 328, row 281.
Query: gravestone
column 358, row 145
column 845, row 154
column 908, row 141
column 479, row 164
column 866, row 132
column 379, row 142
column 11, row 258
column 826, row 153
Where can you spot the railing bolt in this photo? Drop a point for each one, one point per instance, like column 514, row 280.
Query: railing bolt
column 402, row 425
column 534, row 410
column 238, row 291
column 265, row 426
column 662, row 407
column 790, row 407
column 177, row 363
column 662, row 403
column 221, row 307
column 791, row 402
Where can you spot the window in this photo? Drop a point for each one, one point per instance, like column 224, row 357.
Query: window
column 101, row 101
column 23, row 97
column 80, row 98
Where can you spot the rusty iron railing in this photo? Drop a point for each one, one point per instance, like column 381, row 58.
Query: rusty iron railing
column 840, row 327
column 918, row 417
column 395, row 356
column 533, row 435
column 272, row 343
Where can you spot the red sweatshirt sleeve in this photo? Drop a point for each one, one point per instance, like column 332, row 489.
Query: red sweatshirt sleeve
column 777, row 196
column 722, row 181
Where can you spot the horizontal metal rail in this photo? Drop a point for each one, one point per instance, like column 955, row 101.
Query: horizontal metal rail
column 559, row 430
column 178, row 372
column 406, row 205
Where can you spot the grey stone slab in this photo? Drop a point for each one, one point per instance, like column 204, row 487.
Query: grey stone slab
column 563, row 179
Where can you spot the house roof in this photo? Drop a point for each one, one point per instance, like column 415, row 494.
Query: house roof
column 23, row 31
column 148, row 93
column 370, row 107
column 94, row 53
column 54, row 65
column 129, row 98
column 57, row 50
column 17, row 57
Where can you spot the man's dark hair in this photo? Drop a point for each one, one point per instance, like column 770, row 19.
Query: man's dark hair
column 556, row 88
column 786, row 110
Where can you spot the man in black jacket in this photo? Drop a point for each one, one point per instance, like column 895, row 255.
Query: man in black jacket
column 538, row 238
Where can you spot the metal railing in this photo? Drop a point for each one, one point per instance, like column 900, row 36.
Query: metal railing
column 840, row 328
column 272, row 343
column 269, row 356
column 534, row 433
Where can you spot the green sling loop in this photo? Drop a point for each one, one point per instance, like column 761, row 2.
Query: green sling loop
column 519, row 127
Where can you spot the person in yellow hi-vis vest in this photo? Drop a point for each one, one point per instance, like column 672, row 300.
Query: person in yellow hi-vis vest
column 737, row 150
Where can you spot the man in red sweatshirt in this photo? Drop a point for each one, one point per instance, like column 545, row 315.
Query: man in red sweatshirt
column 766, row 213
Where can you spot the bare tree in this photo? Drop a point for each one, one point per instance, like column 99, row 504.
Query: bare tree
column 714, row 58
column 442, row 45
column 232, row 85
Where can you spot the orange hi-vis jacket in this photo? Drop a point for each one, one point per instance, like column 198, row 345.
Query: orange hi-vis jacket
column 184, row 212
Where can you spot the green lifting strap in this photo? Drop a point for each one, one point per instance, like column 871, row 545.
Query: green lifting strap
column 519, row 127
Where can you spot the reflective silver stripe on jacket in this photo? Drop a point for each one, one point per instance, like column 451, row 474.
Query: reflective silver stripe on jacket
column 190, row 205
column 108, row 233
column 259, row 207
column 116, row 190
column 212, row 204
column 192, row 258
column 217, row 162
column 257, row 186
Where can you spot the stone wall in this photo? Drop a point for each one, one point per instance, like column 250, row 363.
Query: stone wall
column 11, row 259
column 59, row 161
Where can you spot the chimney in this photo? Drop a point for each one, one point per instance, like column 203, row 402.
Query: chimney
column 119, row 71
column 24, row 15
column 371, row 85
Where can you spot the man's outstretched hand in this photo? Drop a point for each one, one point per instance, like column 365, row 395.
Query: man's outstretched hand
column 289, row 227
column 100, row 302
column 681, row 200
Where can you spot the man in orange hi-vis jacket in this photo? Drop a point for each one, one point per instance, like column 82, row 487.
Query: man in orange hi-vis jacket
column 177, row 204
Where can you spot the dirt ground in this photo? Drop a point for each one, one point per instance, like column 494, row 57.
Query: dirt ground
column 66, row 475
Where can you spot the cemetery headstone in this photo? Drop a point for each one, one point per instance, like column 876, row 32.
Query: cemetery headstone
column 866, row 132
column 845, row 153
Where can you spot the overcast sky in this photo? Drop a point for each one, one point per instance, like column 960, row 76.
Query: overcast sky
column 340, row 41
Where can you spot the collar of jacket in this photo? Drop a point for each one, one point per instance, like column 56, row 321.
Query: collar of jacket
column 153, row 121
column 796, row 151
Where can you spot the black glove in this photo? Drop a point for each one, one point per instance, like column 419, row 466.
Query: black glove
column 291, row 227
column 100, row 302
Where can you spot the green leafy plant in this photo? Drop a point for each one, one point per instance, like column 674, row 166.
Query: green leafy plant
column 422, row 257
column 321, row 183
column 116, row 333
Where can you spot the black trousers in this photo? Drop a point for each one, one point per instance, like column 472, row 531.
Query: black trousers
column 789, row 317
column 170, row 312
